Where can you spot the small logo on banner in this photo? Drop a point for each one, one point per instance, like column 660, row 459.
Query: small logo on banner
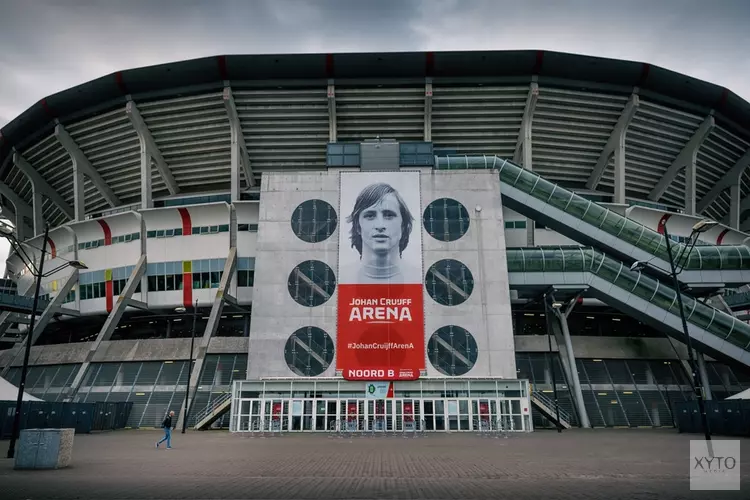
column 714, row 465
column 378, row 390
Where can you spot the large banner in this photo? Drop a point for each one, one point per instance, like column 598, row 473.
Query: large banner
column 380, row 332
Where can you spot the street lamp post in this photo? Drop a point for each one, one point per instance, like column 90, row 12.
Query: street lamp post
column 699, row 227
column 190, row 363
column 38, row 273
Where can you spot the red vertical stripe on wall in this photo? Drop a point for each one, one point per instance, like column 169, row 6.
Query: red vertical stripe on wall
column 110, row 294
column 662, row 222
column 187, row 289
column 52, row 248
column 721, row 236
column 187, row 225
column 107, row 232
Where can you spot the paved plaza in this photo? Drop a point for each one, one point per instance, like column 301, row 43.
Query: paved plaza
column 611, row 464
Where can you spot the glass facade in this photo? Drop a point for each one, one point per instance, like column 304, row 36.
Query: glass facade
column 566, row 259
column 700, row 258
column 311, row 283
column 449, row 282
column 314, row 221
column 452, row 350
column 424, row 405
column 309, row 351
column 446, row 219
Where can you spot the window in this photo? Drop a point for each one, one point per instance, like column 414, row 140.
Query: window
column 416, row 154
column 343, row 155
column 449, row 282
column 308, row 351
column 311, row 283
column 314, row 221
column 452, row 350
column 515, row 224
column 446, row 219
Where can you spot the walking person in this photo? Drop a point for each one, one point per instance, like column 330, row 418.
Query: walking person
column 167, row 426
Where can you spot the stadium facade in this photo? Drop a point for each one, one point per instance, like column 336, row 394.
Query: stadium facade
column 429, row 241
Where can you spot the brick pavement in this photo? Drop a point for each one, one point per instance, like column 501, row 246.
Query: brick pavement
column 612, row 464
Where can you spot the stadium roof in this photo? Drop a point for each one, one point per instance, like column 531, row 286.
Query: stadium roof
column 513, row 68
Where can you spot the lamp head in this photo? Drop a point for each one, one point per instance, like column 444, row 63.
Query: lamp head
column 6, row 229
column 556, row 305
column 180, row 309
column 704, row 225
column 77, row 264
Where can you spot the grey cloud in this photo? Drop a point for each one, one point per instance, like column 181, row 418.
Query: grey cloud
column 55, row 45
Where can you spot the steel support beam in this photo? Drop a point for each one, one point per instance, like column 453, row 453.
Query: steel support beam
column 428, row 109
column 562, row 318
column 523, row 149
column 150, row 147
column 616, row 141
column 332, row 127
column 54, row 307
column 21, row 210
column 109, row 324
column 239, row 156
column 703, row 373
column 524, row 146
column 82, row 165
column 729, row 178
column 40, row 187
column 685, row 158
column 737, row 207
column 211, row 325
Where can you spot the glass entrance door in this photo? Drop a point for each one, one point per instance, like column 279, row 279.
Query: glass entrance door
column 379, row 415
column 276, row 415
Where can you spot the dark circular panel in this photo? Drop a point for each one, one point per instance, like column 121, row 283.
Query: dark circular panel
column 449, row 282
column 314, row 221
column 311, row 283
column 308, row 352
column 452, row 351
column 446, row 219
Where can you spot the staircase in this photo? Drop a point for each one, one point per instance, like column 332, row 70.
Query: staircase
column 213, row 411
column 546, row 407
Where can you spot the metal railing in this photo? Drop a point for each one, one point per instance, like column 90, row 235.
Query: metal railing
column 208, row 410
column 550, row 403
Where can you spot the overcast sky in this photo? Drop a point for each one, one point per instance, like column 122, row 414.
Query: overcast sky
column 49, row 45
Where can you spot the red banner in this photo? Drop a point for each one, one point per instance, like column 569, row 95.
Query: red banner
column 380, row 332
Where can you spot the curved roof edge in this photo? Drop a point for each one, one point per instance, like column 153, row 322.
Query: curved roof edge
column 171, row 79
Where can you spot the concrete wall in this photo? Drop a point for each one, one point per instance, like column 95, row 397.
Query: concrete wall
column 275, row 313
column 486, row 313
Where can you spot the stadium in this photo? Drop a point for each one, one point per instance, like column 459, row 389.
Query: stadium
column 391, row 242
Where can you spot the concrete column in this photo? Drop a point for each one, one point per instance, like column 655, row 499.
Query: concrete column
column 428, row 110
column 619, row 156
column 146, row 198
column 703, row 373
column 332, row 128
column 37, row 201
column 575, row 380
column 169, row 328
column 234, row 162
column 246, row 326
column 79, row 196
column 690, row 176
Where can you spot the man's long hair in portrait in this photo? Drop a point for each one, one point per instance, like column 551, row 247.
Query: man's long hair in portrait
column 370, row 196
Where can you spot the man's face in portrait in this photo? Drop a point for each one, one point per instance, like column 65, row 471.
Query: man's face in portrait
column 381, row 225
